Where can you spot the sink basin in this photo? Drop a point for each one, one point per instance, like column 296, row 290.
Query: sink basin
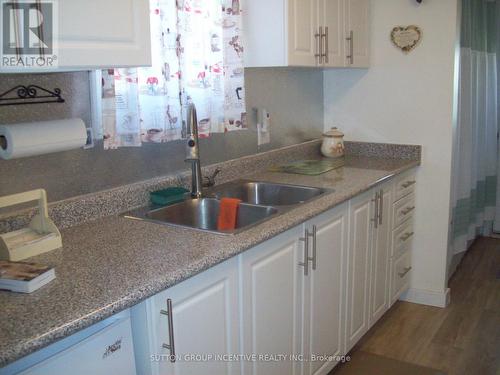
column 268, row 194
column 260, row 201
column 202, row 214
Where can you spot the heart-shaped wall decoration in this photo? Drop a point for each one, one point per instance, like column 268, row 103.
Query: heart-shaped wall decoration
column 406, row 38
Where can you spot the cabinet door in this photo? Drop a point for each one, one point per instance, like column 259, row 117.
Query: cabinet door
column 271, row 290
column 205, row 315
column 323, row 292
column 358, row 267
column 331, row 17
column 357, row 26
column 103, row 33
column 379, row 301
column 302, row 27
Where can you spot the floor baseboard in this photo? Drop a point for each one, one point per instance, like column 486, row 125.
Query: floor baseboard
column 427, row 297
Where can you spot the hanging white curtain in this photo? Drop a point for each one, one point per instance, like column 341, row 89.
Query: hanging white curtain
column 197, row 58
column 476, row 146
column 496, row 16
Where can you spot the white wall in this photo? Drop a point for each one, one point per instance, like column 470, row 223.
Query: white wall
column 408, row 99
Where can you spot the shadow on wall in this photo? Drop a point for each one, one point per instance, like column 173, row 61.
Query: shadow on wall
column 294, row 98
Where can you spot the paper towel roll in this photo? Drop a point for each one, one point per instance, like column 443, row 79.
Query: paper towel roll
column 36, row 138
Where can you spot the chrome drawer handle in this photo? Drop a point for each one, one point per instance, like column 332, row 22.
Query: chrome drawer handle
column 406, row 270
column 171, row 346
column 305, row 263
column 404, row 237
column 407, row 210
column 317, row 54
column 318, row 39
column 313, row 258
column 381, row 207
column 350, row 39
column 408, row 184
column 325, row 49
column 375, row 219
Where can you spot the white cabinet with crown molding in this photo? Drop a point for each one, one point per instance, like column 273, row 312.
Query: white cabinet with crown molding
column 310, row 33
column 95, row 34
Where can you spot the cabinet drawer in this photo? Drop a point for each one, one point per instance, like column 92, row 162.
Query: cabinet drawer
column 402, row 238
column 404, row 187
column 401, row 275
column 403, row 210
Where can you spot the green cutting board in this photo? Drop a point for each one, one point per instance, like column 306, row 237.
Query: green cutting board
column 309, row 167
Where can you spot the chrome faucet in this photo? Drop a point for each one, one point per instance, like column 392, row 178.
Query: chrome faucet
column 193, row 152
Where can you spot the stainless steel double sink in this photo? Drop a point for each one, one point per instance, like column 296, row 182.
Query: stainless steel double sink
column 260, row 202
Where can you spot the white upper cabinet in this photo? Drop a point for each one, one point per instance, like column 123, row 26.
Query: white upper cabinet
column 331, row 14
column 104, row 33
column 302, row 16
column 357, row 31
column 306, row 33
column 94, row 34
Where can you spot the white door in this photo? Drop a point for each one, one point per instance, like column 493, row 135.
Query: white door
column 103, row 33
column 379, row 301
column 331, row 15
column 205, row 317
column 271, row 289
column 324, row 290
column 302, row 27
column 361, row 213
column 357, row 30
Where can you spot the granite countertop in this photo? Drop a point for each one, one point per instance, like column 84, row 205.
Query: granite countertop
column 113, row 263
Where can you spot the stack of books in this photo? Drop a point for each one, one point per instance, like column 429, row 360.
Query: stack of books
column 24, row 277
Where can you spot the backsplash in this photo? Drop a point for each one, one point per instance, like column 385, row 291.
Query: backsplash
column 293, row 97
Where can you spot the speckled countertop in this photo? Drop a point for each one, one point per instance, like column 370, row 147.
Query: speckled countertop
column 113, row 263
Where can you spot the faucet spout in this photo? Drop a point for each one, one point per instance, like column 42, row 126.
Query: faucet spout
column 193, row 152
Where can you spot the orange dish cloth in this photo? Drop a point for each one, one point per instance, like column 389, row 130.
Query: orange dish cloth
column 228, row 212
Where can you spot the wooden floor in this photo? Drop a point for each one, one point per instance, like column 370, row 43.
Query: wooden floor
column 462, row 339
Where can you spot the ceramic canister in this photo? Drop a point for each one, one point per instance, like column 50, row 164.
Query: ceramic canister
column 333, row 143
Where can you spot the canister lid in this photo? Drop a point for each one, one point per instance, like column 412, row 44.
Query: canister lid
column 333, row 132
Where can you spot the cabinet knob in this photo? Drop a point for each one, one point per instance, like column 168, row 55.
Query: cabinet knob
column 408, row 184
column 404, row 237
column 405, row 271
column 407, row 210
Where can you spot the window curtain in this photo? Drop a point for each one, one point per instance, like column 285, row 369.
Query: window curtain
column 197, row 57
column 474, row 188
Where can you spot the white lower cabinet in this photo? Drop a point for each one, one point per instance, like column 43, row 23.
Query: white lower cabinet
column 403, row 210
column 293, row 298
column 324, row 293
column 291, row 305
column 195, row 319
column 380, row 254
column 361, row 213
column 272, row 308
column 368, row 261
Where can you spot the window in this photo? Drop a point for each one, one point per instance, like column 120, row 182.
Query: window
column 197, row 57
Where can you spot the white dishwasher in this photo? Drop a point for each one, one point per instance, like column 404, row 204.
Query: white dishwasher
column 105, row 348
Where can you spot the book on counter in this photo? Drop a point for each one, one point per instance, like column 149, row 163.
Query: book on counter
column 24, row 277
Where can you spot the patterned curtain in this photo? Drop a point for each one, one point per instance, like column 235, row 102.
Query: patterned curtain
column 197, row 57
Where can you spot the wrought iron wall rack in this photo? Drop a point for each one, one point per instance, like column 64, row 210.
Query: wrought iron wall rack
column 31, row 94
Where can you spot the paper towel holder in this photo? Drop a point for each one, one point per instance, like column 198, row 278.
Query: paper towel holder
column 31, row 94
